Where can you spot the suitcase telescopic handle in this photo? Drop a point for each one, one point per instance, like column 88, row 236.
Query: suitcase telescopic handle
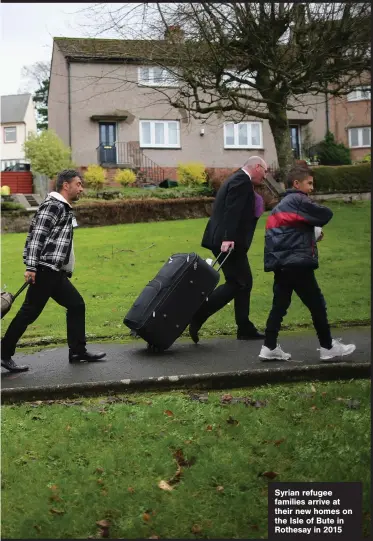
column 22, row 288
column 224, row 260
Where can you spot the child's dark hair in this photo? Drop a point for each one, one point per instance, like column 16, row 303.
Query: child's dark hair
column 298, row 172
column 66, row 176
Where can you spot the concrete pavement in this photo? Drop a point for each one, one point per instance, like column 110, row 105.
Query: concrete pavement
column 213, row 363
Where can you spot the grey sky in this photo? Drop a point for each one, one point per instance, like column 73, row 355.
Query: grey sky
column 26, row 36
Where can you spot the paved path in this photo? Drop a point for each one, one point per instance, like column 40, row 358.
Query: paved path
column 221, row 358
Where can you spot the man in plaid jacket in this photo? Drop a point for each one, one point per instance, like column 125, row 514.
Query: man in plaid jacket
column 49, row 259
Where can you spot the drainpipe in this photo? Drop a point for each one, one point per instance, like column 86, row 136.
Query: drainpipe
column 327, row 112
column 69, row 99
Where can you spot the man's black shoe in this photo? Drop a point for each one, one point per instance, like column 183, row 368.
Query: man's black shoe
column 193, row 332
column 10, row 365
column 85, row 356
column 252, row 335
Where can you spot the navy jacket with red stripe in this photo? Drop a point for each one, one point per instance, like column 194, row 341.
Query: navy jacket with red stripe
column 290, row 235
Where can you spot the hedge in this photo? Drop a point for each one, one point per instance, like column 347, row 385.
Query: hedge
column 146, row 210
column 342, row 178
column 179, row 192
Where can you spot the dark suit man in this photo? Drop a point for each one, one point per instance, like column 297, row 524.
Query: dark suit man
column 231, row 226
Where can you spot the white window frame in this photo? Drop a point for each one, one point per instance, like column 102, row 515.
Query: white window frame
column 5, row 133
column 360, row 137
column 173, row 83
column 235, row 84
column 358, row 94
column 152, row 144
column 249, row 124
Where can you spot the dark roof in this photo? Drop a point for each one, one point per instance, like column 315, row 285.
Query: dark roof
column 13, row 108
column 113, row 49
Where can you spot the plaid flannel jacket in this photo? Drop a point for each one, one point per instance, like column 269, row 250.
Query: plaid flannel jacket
column 50, row 235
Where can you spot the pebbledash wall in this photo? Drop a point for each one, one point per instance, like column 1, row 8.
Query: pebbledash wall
column 100, row 101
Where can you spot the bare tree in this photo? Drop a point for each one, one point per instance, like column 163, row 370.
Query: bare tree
column 35, row 74
column 242, row 60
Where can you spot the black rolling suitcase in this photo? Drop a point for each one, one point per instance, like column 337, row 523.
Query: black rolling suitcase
column 167, row 304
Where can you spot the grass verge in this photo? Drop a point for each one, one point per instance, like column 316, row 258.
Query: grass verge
column 70, row 464
column 114, row 263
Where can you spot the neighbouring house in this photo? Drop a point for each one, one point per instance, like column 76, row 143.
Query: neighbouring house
column 103, row 104
column 350, row 120
column 18, row 120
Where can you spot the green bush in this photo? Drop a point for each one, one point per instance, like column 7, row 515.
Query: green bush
column 329, row 152
column 367, row 158
column 191, row 174
column 345, row 178
column 125, row 176
column 10, row 205
column 180, row 192
column 95, row 176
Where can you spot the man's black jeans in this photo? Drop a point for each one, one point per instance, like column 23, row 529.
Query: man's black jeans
column 57, row 286
column 238, row 285
column 303, row 282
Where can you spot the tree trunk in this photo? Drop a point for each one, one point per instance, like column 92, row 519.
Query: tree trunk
column 280, row 130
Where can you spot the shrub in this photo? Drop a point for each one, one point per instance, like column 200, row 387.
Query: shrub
column 125, row 176
column 191, row 174
column 216, row 177
column 140, row 193
column 10, row 205
column 332, row 153
column 366, row 159
column 47, row 153
column 95, row 176
column 345, row 178
column 5, row 190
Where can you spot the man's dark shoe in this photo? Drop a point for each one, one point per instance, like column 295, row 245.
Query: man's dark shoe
column 193, row 332
column 252, row 335
column 85, row 356
column 10, row 365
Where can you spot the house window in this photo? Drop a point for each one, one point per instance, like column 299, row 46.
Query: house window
column 359, row 137
column 160, row 133
column 156, row 76
column 243, row 135
column 230, row 82
column 360, row 93
column 10, row 134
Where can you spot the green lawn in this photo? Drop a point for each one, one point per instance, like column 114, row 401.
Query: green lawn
column 69, row 464
column 114, row 263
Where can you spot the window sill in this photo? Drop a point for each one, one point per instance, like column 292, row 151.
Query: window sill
column 359, row 99
column 244, row 148
column 156, row 85
column 356, row 148
column 159, row 147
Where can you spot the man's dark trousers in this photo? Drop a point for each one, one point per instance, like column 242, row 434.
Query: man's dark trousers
column 238, row 285
column 303, row 282
column 57, row 286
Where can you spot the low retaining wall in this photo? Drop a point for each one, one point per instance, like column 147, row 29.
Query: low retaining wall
column 342, row 197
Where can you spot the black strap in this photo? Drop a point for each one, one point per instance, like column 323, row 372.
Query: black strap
column 22, row 288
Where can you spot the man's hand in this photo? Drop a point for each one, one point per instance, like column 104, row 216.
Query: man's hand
column 321, row 236
column 30, row 277
column 226, row 245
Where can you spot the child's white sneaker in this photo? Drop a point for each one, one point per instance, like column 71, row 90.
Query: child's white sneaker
column 267, row 354
column 338, row 349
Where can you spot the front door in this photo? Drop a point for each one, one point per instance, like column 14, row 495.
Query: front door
column 295, row 141
column 108, row 153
